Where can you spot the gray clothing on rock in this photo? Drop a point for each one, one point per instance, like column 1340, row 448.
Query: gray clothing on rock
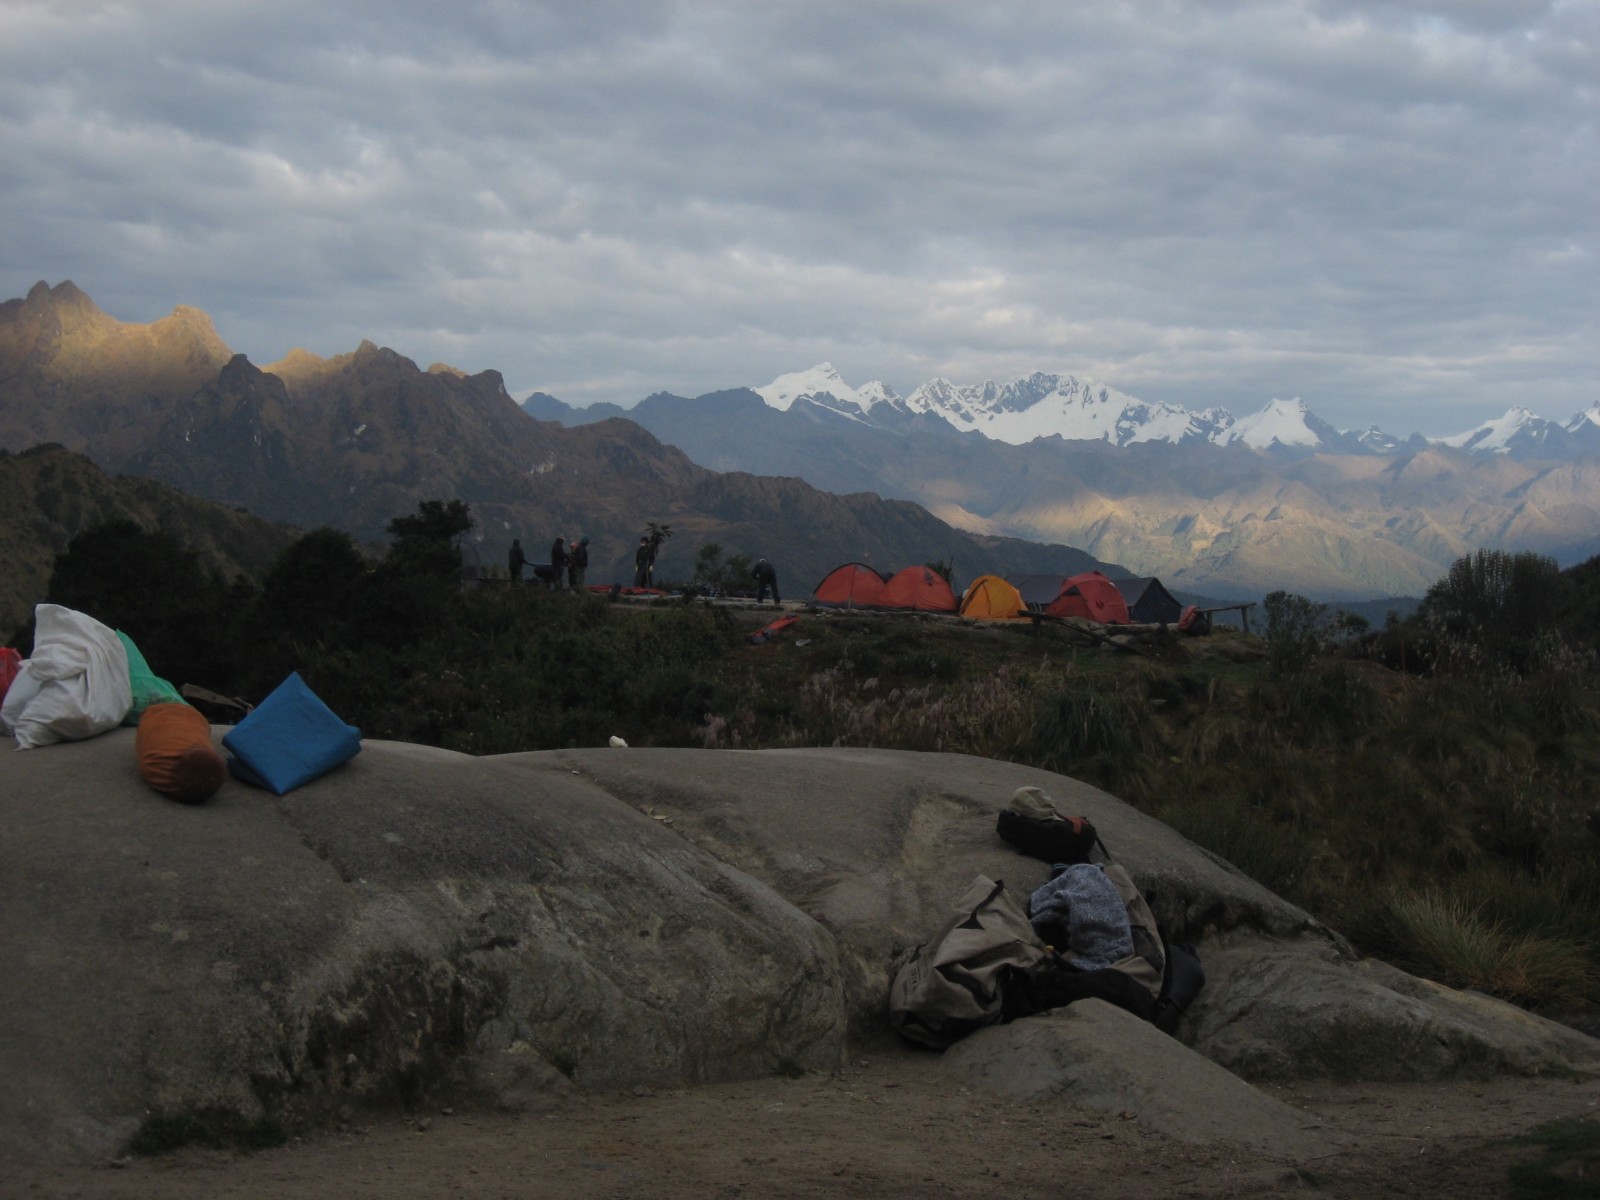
column 1090, row 909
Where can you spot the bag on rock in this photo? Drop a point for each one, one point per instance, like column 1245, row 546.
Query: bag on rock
column 74, row 686
column 176, row 756
column 148, row 687
column 956, row 981
column 289, row 739
column 1036, row 828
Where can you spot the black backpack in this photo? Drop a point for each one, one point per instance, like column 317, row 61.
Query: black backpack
column 1051, row 839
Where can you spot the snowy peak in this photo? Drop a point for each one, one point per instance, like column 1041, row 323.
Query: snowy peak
column 1586, row 421
column 1518, row 430
column 1056, row 406
column 824, row 386
column 1044, row 405
column 1285, row 423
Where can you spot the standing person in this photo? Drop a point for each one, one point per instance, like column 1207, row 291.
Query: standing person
column 558, row 564
column 766, row 578
column 643, row 561
column 516, row 560
column 578, row 562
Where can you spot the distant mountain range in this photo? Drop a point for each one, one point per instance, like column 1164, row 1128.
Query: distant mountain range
column 1075, row 410
column 1046, row 474
column 1211, row 503
column 353, row 441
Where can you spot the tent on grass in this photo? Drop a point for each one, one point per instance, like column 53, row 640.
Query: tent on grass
column 1038, row 590
column 1092, row 596
column 991, row 598
column 854, row 585
column 1149, row 602
column 919, row 588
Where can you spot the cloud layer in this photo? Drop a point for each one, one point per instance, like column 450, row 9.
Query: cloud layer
column 1385, row 209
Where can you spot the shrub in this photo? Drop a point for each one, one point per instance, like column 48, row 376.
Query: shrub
column 1296, row 629
column 1075, row 724
column 1495, row 594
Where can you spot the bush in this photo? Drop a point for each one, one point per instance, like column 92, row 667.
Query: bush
column 179, row 614
column 1296, row 630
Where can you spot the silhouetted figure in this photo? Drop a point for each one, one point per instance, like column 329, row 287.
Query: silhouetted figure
column 644, row 563
column 766, row 578
column 558, row 564
column 578, row 562
column 516, row 560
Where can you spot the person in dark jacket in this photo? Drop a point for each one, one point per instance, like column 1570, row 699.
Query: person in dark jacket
column 578, row 562
column 558, row 564
column 643, row 563
column 516, row 560
column 766, row 578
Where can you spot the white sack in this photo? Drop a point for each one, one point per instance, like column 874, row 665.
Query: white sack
column 76, row 684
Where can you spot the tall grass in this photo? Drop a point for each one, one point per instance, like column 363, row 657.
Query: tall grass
column 1443, row 936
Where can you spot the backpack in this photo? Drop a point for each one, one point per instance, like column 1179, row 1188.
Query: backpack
column 957, row 981
column 1032, row 824
column 1165, row 976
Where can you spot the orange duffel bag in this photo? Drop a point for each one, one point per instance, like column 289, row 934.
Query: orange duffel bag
column 176, row 756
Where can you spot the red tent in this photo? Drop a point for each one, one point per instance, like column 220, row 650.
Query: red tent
column 1092, row 596
column 921, row 588
column 854, row 585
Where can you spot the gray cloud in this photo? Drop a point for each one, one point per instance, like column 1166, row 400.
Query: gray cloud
column 1384, row 209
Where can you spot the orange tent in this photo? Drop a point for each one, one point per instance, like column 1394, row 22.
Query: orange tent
column 991, row 598
column 854, row 585
column 1092, row 596
column 920, row 588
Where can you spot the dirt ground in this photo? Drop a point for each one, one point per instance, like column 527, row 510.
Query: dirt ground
column 893, row 1124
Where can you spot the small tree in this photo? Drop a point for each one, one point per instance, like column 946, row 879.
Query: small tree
column 654, row 536
column 1492, row 596
column 1296, row 628
column 314, row 589
column 177, row 610
column 943, row 568
column 1349, row 626
column 729, row 575
column 427, row 542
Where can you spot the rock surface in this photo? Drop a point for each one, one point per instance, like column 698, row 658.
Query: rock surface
column 1099, row 1057
column 510, row 928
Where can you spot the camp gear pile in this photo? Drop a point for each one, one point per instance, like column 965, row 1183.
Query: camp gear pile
column 84, row 679
column 1088, row 932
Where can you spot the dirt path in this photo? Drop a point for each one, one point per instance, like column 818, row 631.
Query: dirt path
column 892, row 1125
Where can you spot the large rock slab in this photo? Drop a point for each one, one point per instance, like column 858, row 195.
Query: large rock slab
column 358, row 938
column 522, row 925
column 1096, row 1056
column 875, row 844
column 1282, row 1011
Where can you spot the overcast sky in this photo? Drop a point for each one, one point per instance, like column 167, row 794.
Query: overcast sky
column 1388, row 210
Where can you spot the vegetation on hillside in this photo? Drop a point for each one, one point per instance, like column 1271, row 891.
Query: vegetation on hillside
column 1425, row 788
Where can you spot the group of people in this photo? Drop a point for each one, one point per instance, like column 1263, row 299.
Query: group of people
column 569, row 562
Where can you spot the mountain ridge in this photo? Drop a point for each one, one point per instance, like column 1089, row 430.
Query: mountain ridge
column 1270, row 506
column 356, row 440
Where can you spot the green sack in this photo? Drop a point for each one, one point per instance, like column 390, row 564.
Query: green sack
column 148, row 687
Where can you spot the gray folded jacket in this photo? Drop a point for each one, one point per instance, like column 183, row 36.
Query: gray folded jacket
column 1090, row 909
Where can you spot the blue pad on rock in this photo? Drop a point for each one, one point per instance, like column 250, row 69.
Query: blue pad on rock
column 289, row 739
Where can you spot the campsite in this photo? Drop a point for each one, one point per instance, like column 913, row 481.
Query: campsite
column 1242, row 776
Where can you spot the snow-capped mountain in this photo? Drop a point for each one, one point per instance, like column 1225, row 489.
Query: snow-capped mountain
column 1277, row 498
column 1519, row 429
column 1043, row 405
column 1062, row 406
column 1017, row 413
column 822, row 386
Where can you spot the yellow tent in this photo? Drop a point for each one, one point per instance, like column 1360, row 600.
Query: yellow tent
column 991, row 598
